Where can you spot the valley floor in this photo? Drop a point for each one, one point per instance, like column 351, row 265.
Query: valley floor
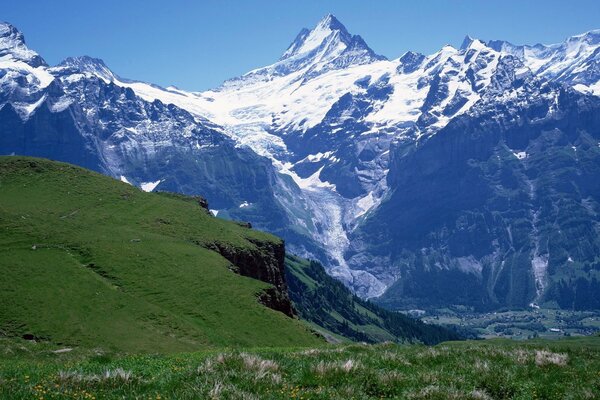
column 543, row 323
column 491, row 369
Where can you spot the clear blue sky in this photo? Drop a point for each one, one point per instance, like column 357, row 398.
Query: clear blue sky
column 196, row 45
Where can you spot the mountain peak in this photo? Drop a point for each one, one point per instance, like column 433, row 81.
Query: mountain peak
column 590, row 37
column 84, row 62
column 327, row 29
column 89, row 66
column 329, row 36
column 331, row 22
column 10, row 32
column 466, row 42
column 472, row 43
column 12, row 45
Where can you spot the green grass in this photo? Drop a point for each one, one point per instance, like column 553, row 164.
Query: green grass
column 89, row 261
column 494, row 369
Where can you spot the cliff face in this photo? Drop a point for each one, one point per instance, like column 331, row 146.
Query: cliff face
column 499, row 208
column 265, row 262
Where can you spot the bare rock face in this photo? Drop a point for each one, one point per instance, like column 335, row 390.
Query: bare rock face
column 202, row 202
column 264, row 262
column 499, row 208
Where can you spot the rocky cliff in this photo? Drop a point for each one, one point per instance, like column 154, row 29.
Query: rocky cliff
column 265, row 262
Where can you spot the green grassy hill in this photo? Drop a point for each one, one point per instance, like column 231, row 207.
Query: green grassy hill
column 335, row 311
column 89, row 261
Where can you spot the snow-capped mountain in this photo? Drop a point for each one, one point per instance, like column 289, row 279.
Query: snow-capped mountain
column 81, row 112
column 24, row 73
column 327, row 47
column 330, row 136
column 575, row 62
column 13, row 48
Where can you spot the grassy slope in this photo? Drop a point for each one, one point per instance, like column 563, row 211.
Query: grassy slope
column 494, row 369
column 89, row 261
column 327, row 303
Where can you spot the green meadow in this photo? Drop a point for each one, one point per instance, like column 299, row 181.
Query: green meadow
column 491, row 369
column 89, row 261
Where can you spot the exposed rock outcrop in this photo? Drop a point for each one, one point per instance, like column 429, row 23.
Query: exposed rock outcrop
column 264, row 262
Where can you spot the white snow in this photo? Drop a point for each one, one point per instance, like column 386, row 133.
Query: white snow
column 13, row 45
column 593, row 88
column 40, row 75
column 567, row 61
column 62, row 104
column 244, row 204
column 539, row 261
column 365, row 203
column 29, row 108
column 521, row 155
column 214, row 212
column 253, row 107
column 312, row 182
column 316, row 37
column 150, row 186
column 124, row 179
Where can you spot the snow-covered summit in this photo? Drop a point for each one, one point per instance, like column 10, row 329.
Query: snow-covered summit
column 471, row 43
column 328, row 46
column 331, row 36
column 87, row 66
column 23, row 73
column 575, row 62
column 13, row 47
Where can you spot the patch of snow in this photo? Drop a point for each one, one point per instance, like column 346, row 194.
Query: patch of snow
column 40, row 75
column 318, row 157
column 365, row 203
column 62, row 104
column 521, row 155
column 312, row 182
column 30, row 108
column 244, row 204
column 214, row 212
column 124, row 179
column 150, row 186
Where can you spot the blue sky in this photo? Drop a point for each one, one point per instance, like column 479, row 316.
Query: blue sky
column 196, row 45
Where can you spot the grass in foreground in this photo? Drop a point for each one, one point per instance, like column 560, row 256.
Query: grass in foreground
column 498, row 369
